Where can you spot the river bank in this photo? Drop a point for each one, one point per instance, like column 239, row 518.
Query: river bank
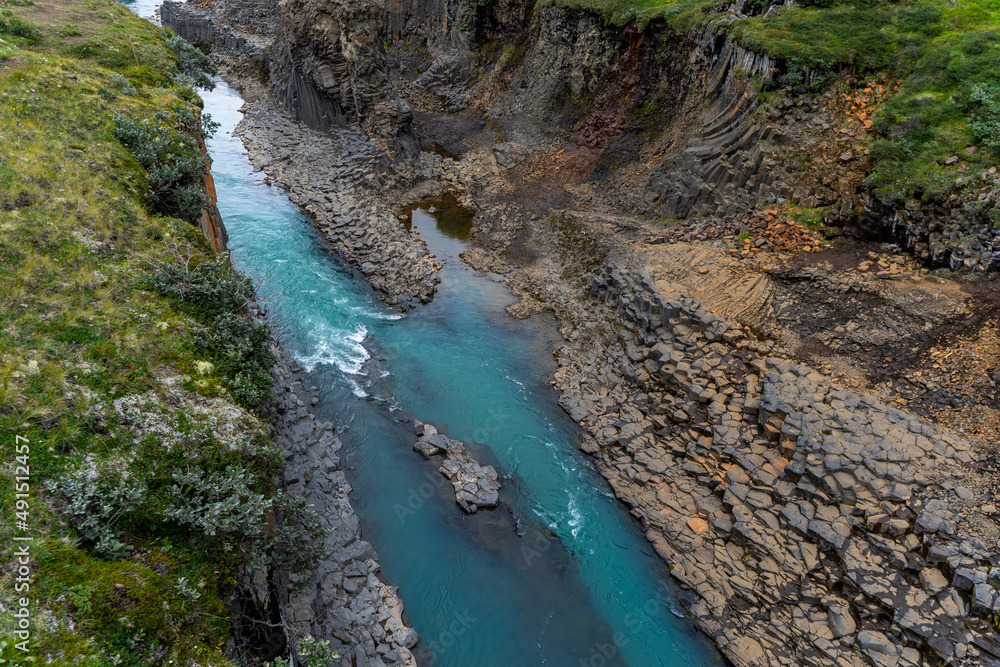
column 866, row 522
column 342, row 599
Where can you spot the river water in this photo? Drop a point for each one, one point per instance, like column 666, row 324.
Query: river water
column 559, row 575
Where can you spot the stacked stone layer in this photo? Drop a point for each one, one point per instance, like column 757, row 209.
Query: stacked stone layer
column 342, row 600
column 813, row 525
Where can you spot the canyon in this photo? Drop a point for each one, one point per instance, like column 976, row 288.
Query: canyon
column 504, row 332
column 759, row 409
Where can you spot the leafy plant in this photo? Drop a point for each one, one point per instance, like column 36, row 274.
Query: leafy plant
column 170, row 151
column 984, row 121
column 239, row 347
column 218, row 503
column 312, row 653
column 227, row 506
column 193, row 62
column 95, row 502
column 186, row 590
column 123, row 85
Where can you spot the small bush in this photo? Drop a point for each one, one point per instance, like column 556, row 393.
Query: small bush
column 239, row 348
column 95, row 502
column 193, row 62
column 122, row 84
column 170, row 151
column 312, row 653
column 226, row 509
column 984, row 121
column 218, row 503
column 297, row 543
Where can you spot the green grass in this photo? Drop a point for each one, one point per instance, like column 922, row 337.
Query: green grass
column 942, row 52
column 679, row 15
column 81, row 326
column 12, row 25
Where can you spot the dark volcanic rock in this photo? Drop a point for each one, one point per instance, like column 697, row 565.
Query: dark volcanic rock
column 475, row 485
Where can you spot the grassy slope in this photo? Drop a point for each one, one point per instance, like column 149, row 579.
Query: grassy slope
column 942, row 51
column 79, row 327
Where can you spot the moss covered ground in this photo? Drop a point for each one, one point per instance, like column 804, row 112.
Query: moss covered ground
column 108, row 386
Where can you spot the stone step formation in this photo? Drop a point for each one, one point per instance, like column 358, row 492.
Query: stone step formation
column 342, row 600
column 811, row 525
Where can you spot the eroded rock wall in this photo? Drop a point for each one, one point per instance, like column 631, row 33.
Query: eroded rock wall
column 331, row 55
column 323, row 59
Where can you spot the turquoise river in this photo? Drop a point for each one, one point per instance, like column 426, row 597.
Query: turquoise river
column 560, row 574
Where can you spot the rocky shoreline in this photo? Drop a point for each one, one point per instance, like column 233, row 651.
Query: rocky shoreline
column 342, row 179
column 342, row 600
column 814, row 525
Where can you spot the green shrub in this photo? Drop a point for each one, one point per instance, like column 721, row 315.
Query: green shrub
column 170, row 151
column 11, row 24
column 984, row 119
column 218, row 503
column 229, row 513
column 238, row 347
column 312, row 653
column 193, row 62
column 95, row 502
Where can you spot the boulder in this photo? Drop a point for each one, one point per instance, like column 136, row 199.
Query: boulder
column 841, row 621
column 933, row 580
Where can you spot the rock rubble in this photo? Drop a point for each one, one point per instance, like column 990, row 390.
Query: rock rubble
column 340, row 178
column 343, row 600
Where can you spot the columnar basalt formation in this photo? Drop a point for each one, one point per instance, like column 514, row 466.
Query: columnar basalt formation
column 340, row 175
column 334, row 67
column 342, row 600
column 813, row 525
column 476, row 485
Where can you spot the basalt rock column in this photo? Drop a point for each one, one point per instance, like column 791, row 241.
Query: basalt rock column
column 330, row 70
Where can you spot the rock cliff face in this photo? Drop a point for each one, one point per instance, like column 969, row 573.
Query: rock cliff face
column 324, row 59
column 672, row 126
column 811, row 524
column 671, row 119
column 212, row 225
column 330, row 54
